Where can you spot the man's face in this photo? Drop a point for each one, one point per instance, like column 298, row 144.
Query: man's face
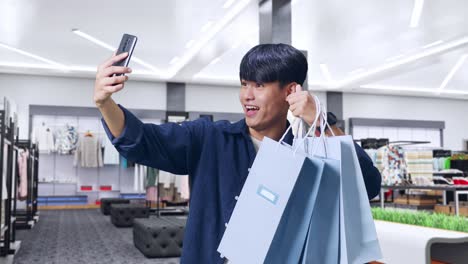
column 264, row 104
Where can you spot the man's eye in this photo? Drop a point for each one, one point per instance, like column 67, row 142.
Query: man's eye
column 259, row 85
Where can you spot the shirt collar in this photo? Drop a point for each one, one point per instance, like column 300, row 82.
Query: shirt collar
column 240, row 127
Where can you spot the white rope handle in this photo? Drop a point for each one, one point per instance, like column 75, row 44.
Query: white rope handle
column 313, row 127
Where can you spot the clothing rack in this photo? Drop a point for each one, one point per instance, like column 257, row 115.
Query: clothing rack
column 28, row 217
column 8, row 134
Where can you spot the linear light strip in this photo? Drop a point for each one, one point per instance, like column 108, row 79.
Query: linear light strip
column 354, row 80
column 326, row 72
column 210, row 34
column 112, row 48
column 452, row 72
column 410, row 89
column 435, row 43
column 416, row 14
column 28, row 54
column 228, row 4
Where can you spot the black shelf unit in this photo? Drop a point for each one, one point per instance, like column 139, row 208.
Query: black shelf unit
column 7, row 150
column 25, row 219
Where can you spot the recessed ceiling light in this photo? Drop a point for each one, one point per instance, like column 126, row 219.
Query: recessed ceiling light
column 326, row 72
column 416, row 14
column 228, row 4
column 452, row 72
column 28, row 54
column 111, row 48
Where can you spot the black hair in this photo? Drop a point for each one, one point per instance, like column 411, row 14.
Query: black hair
column 274, row 62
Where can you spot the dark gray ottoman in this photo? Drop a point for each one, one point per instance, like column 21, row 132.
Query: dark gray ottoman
column 106, row 203
column 122, row 215
column 159, row 237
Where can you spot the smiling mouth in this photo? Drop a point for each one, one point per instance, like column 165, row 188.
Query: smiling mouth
column 251, row 108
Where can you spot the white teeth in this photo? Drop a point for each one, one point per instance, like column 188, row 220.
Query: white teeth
column 251, row 107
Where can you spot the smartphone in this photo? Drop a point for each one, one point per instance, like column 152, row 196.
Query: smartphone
column 127, row 44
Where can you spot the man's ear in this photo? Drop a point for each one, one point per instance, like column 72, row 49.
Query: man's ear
column 290, row 88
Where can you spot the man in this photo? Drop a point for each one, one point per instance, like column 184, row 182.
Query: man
column 217, row 155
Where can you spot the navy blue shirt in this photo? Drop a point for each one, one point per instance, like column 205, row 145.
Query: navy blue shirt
column 216, row 156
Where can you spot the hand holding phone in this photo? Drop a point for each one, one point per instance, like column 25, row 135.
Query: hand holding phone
column 127, row 44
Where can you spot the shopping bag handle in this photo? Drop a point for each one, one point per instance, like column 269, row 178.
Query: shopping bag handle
column 320, row 111
column 314, row 124
column 313, row 127
column 323, row 139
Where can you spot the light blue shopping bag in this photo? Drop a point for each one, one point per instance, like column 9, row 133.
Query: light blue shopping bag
column 271, row 217
column 288, row 242
column 323, row 238
column 358, row 241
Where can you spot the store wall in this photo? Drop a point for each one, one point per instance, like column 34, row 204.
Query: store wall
column 206, row 98
column 452, row 111
column 221, row 98
column 46, row 90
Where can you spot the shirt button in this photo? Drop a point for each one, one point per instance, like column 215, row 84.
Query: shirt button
column 237, row 198
column 225, row 224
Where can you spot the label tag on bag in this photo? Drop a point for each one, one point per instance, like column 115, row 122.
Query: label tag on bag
column 268, row 195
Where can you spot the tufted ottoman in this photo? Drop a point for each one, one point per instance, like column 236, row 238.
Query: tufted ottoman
column 159, row 237
column 106, row 203
column 122, row 215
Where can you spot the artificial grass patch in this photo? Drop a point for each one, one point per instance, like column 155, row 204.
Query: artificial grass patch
column 441, row 221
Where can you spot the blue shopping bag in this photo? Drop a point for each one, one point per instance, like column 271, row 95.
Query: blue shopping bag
column 360, row 236
column 323, row 237
column 358, row 242
column 271, row 217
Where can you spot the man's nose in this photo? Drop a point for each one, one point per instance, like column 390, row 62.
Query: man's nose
column 250, row 93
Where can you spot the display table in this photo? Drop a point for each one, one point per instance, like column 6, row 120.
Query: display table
column 456, row 189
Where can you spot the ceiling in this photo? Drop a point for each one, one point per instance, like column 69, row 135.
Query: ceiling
column 366, row 45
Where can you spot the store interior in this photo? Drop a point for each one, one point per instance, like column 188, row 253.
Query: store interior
column 394, row 73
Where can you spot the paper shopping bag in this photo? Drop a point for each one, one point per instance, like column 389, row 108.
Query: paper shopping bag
column 358, row 238
column 272, row 215
column 322, row 242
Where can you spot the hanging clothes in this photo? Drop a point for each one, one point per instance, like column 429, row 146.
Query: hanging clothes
column 5, row 164
column 88, row 153
column 23, row 175
column 45, row 138
column 111, row 155
column 152, row 193
column 182, row 186
column 139, row 178
column 151, row 177
column 66, row 139
column 166, row 178
column 123, row 162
